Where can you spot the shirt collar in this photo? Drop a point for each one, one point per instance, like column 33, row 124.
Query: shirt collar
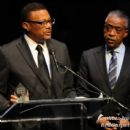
column 119, row 49
column 31, row 42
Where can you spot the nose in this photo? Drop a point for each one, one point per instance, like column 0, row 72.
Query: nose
column 48, row 25
column 112, row 32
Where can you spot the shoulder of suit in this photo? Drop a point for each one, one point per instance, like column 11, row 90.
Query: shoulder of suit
column 12, row 44
column 93, row 50
column 15, row 41
column 58, row 43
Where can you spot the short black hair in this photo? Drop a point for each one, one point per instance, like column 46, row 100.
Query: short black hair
column 30, row 7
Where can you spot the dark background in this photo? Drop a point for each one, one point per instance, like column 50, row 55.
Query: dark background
column 79, row 23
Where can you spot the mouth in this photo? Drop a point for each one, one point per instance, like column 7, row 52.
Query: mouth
column 48, row 32
column 109, row 40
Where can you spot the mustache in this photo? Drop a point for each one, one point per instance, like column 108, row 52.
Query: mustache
column 109, row 38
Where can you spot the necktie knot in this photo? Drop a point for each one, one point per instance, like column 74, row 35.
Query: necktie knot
column 113, row 53
column 39, row 48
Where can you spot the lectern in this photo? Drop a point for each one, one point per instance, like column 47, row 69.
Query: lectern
column 56, row 109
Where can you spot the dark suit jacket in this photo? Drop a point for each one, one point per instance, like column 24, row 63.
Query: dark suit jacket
column 3, row 81
column 93, row 68
column 24, row 70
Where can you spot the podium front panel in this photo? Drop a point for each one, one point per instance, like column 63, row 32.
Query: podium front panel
column 58, row 109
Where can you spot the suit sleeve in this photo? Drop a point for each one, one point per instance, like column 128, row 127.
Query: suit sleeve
column 3, row 82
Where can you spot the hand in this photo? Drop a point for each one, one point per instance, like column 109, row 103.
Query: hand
column 22, row 99
column 124, row 122
column 113, row 128
column 104, row 122
column 14, row 99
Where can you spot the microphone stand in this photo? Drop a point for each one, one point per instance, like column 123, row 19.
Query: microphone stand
column 88, row 83
column 52, row 52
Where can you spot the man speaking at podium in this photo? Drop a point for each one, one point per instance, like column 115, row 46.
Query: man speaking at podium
column 33, row 73
column 108, row 68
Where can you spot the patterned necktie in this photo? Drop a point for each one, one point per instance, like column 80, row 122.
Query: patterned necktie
column 112, row 70
column 41, row 60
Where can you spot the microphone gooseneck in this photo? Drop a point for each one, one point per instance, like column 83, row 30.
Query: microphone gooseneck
column 52, row 52
column 54, row 58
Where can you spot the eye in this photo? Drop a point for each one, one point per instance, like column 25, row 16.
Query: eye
column 108, row 27
column 44, row 22
column 118, row 29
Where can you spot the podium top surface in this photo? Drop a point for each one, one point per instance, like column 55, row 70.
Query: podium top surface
column 54, row 108
column 70, row 100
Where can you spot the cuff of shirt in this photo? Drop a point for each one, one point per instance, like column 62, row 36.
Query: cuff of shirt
column 99, row 118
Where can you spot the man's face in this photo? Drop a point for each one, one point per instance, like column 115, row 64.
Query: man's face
column 115, row 31
column 39, row 25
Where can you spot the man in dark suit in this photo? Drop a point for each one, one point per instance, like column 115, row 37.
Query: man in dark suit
column 22, row 55
column 114, row 81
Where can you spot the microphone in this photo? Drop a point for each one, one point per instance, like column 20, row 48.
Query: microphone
column 52, row 52
column 22, row 93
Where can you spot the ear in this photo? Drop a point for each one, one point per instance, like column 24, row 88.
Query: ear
column 126, row 33
column 26, row 26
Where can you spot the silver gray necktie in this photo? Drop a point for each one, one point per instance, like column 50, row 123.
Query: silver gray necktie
column 112, row 74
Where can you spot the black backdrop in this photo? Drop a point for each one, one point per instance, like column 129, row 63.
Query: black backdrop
column 79, row 23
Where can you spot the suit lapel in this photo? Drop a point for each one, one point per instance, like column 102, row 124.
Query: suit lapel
column 100, row 59
column 26, row 53
column 124, row 69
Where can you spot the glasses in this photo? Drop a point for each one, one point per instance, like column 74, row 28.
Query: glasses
column 109, row 27
column 50, row 21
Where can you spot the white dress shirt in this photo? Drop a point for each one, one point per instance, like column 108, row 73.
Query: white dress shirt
column 32, row 45
column 120, row 52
